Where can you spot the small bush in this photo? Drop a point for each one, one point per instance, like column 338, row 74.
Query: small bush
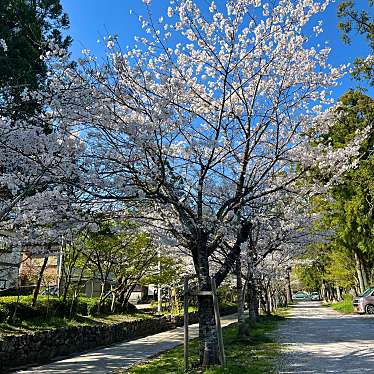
column 23, row 311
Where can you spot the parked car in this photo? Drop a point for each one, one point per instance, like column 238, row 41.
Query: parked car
column 365, row 302
column 314, row 296
column 300, row 295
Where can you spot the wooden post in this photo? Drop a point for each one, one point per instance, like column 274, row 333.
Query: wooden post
column 218, row 323
column 185, row 309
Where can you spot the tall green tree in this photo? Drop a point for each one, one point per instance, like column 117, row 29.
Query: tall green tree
column 27, row 29
column 348, row 207
column 118, row 254
column 352, row 18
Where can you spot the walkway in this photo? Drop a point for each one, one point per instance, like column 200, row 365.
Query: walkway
column 318, row 339
column 123, row 355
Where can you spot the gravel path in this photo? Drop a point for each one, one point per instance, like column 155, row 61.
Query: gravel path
column 318, row 339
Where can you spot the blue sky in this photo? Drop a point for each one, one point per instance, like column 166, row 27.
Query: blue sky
column 91, row 20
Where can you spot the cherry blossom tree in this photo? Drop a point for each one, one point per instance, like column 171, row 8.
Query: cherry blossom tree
column 207, row 114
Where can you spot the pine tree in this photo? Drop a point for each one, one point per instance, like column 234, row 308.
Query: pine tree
column 27, row 27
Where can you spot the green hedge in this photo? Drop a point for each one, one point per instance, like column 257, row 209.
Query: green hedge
column 54, row 306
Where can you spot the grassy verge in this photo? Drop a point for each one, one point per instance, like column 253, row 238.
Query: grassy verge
column 177, row 312
column 53, row 322
column 39, row 324
column 344, row 306
column 42, row 317
column 243, row 357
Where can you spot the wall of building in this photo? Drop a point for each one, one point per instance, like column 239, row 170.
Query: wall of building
column 9, row 268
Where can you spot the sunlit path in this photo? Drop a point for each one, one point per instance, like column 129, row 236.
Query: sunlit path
column 319, row 340
column 121, row 355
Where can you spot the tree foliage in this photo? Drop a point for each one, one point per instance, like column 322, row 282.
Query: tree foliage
column 352, row 18
column 28, row 30
column 346, row 208
column 351, row 207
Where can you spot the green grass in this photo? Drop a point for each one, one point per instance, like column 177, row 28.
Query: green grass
column 47, row 320
column 25, row 299
column 54, row 322
column 176, row 312
column 344, row 306
column 117, row 318
column 39, row 324
column 243, row 357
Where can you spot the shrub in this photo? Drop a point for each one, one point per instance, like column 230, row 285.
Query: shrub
column 53, row 306
column 24, row 311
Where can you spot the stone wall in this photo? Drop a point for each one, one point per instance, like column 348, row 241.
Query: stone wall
column 44, row 346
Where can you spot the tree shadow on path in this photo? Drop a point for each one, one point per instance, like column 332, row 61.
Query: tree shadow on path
column 319, row 340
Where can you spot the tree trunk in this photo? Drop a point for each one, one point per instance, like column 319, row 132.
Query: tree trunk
column 324, row 290
column 263, row 302
column 332, row 296
column 208, row 341
column 100, row 303
column 127, row 295
column 252, row 290
column 338, row 293
column 275, row 300
column 242, row 325
column 361, row 274
column 113, row 304
column 268, row 301
column 288, row 287
column 284, row 299
column 67, row 284
column 39, row 282
column 252, row 301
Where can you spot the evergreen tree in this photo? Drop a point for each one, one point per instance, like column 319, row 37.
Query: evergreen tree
column 361, row 21
column 348, row 207
column 27, row 28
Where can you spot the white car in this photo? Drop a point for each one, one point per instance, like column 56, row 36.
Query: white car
column 300, row 296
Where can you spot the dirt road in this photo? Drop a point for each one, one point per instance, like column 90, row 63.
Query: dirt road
column 319, row 340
